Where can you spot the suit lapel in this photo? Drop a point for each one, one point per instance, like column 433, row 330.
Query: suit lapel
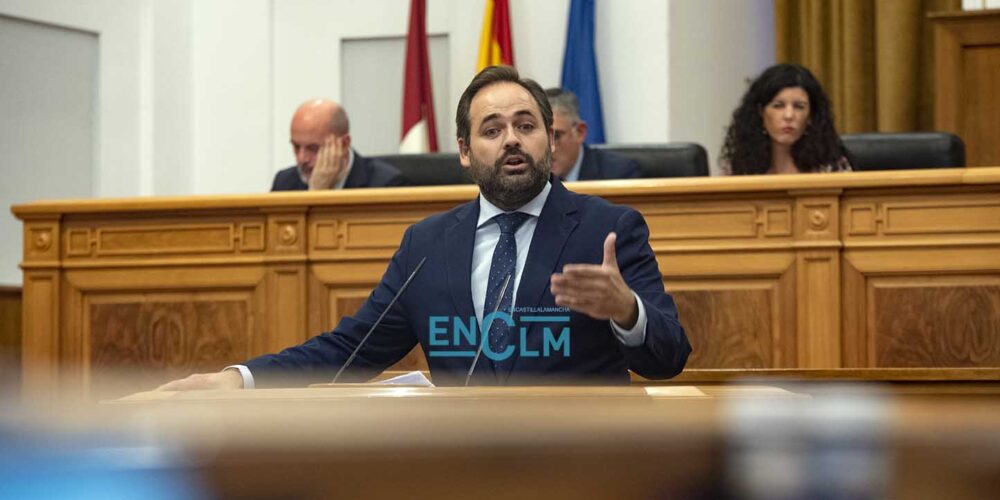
column 460, row 239
column 555, row 224
column 588, row 166
column 358, row 176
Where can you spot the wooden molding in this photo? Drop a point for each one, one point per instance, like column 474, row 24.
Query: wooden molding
column 808, row 272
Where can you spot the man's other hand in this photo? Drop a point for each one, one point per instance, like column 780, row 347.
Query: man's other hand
column 331, row 162
column 226, row 379
column 598, row 291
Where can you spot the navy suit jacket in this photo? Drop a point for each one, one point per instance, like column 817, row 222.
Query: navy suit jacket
column 570, row 229
column 366, row 172
column 599, row 164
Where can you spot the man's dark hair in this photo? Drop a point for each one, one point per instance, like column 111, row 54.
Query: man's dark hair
column 487, row 77
column 565, row 101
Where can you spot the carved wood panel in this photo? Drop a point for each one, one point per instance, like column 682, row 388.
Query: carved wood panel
column 347, row 303
column 140, row 340
column 737, row 324
column 160, row 237
column 726, row 328
column 925, row 216
column 934, row 323
column 711, row 220
column 364, row 233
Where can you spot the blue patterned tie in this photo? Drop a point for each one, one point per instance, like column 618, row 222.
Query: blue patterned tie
column 504, row 263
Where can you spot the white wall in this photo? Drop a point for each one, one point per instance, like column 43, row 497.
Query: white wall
column 980, row 4
column 119, row 152
column 715, row 47
column 233, row 63
column 372, row 128
column 195, row 95
column 121, row 149
column 47, row 121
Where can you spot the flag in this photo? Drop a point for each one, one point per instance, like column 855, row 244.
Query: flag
column 496, row 46
column 579, row 70
column 419, row 133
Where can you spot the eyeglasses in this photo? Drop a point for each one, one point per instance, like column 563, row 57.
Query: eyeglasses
column 559, row 134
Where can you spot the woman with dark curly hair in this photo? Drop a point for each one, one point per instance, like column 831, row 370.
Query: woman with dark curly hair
column 783, row 126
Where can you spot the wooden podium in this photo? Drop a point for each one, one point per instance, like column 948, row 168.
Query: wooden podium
column 879, row 270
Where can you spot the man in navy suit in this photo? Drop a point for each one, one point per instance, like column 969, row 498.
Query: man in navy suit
column 321, row 141
column 570, row 309
column 572, row 160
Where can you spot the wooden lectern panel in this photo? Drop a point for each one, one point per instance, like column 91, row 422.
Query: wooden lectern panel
column 921, row 275
column 123, row 329
column 168, row 335
column 735, row 327
column 817, row 272
column 921, row 322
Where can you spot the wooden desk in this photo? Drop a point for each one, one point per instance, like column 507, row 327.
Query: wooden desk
column 346, row 393
column 895, row 269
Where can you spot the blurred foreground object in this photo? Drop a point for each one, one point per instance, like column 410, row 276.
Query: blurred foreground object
column 705, row 441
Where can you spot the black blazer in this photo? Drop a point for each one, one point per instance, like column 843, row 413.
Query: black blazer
column 366, row 172
column 598, row 164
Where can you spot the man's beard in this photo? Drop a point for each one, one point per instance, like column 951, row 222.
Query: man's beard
column 305, row 172
column 511, row 191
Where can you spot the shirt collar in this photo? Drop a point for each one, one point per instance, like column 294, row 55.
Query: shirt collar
column 343, row 180
column 488, row 210
column 574, row 173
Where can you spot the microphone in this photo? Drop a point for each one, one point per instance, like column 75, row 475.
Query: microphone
column 482, row 342
column 379, row 320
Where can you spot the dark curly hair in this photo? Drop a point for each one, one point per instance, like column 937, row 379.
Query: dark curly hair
column 747, row 149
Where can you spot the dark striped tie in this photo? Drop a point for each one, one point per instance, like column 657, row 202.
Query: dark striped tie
column 504, row 264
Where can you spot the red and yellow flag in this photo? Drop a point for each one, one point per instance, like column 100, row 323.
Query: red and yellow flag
column 495, row 44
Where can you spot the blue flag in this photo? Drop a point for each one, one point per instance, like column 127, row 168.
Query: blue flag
column 579, row 70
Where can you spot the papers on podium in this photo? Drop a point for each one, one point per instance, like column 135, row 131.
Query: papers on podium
column 411, row 379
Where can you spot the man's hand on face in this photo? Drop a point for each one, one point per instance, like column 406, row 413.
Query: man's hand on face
column 598, row 291
column 331, row 162
column 226, row 379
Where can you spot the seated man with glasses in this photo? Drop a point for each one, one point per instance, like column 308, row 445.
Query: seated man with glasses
column 572, row 160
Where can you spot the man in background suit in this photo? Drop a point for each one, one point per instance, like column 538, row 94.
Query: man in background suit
column 526, row 247
column 572, row 160
column 321, row 141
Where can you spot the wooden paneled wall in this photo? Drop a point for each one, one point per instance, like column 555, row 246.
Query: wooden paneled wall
column 966, row 79
column 857, row 270
column 10, row 339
